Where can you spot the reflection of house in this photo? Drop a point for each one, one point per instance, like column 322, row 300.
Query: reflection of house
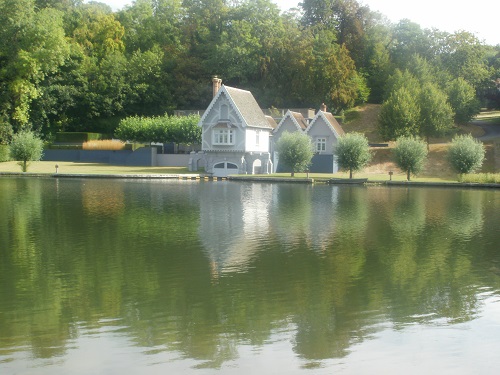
column 324, row 131
column 232, row 233
column 235, row 134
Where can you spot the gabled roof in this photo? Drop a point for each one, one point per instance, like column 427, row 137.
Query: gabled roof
column 297, row 119
column 271, row 121
column 244, row 104
column 329, row 120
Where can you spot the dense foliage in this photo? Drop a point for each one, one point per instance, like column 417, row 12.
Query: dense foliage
column 72, row 66
column 353, row 152
column 410, row 154
column 466, row 154
column 26, row 147
column 160, row 129
column 295, row 151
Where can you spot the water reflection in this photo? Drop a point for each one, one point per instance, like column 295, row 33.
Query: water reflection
column 196, row 273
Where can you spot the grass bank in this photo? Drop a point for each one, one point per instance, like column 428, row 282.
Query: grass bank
column 48, row 167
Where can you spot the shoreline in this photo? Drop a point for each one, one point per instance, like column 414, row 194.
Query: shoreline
column 249, row 178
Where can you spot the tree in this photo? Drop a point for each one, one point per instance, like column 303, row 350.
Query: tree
column 410, row 154
column 462, row 98
column 353, row 152
column 466, row 154
column 295, row 151
column 399, row 115
column 25, row 147
column 436, row 115
column 32, row 45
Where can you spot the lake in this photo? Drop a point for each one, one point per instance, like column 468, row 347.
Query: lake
column 105, row 276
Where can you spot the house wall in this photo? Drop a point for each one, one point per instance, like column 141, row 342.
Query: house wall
column 287, row 125
column 251, row 140
column 218, row 113
column 320, row 129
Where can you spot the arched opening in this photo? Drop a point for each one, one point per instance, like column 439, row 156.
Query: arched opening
column 223, row 169
column 257, row 167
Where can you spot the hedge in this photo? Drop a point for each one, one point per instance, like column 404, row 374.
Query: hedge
column 78, row 137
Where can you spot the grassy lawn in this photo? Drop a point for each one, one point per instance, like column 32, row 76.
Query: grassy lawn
column 89, row 168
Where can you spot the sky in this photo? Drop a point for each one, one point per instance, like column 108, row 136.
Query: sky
column 481, row 17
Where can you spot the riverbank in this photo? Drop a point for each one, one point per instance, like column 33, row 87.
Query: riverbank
column 103, row 171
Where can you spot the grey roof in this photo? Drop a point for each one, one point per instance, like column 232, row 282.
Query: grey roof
column 334, row 123
column 300, row 119
column 248, row 107
column 271, row 121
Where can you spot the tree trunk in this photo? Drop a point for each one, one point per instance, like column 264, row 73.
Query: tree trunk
column 25, row 166
column 293, row 173
column 408, row 175
column 350, row 173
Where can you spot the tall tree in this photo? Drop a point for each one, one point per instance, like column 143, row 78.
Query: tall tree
column 399, row 115
column 32, row 45
column 462, row 98
column 436, row 114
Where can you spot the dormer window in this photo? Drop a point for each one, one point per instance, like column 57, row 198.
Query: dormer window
column 223, row 136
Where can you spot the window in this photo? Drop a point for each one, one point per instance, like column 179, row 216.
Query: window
column 321, row 144
column 224, row 112
column 223, row 137
column 257, row 138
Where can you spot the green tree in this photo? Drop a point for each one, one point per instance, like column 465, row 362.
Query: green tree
column 462, row 98
column 26, row 147
column 410, row 154
column 295, row 151
column 466, row 154
column 399, row 115
column 32, row 45
column 353, row 152
column 436, row 114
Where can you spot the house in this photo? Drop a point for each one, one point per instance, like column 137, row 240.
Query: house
column 324, row 131
column 235, row 134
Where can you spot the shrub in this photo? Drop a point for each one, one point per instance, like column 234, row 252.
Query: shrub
column 25, row 147
column 295, row 151
column 410, row 154
column 466, row 154
column 353, row 152
column 107, row 144
column 4, row 153
column 481, row 178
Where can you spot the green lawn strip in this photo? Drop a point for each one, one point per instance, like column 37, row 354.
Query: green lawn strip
column 47, row 167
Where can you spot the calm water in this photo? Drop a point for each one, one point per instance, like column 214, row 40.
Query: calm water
column 181, row 277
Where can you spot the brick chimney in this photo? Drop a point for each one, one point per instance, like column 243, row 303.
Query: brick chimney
column 216, row 84
column 323, row 107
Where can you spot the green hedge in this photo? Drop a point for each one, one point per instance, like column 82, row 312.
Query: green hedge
column 78, row 137
column 4, row 153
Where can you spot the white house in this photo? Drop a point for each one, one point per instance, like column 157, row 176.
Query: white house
column 235, row 135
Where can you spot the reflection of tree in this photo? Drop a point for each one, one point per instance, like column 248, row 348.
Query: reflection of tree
column 145, row 269
column 466, row 214
column 291, row 213
column 352, row 212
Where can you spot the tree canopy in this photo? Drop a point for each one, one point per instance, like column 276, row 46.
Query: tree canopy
column 73, row 66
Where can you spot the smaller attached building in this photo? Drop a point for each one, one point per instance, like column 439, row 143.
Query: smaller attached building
column 324, row 131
